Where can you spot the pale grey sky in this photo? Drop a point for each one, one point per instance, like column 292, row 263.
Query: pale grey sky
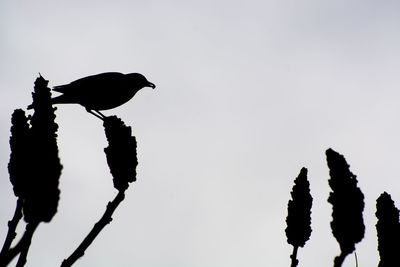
column 248, row 92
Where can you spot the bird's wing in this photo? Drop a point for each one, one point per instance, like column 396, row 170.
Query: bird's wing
column 90, row 82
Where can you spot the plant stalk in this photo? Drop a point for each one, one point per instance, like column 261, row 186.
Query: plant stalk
column 105, row 219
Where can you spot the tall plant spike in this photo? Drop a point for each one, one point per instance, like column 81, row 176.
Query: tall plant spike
column 298, row 220
column 347, row 205
column 42, row 199
column 121, row 152
column 388, row 231
column 18, row 169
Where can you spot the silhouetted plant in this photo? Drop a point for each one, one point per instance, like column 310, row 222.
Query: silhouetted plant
column 121, row 152
column 122, row 161
column 347, row 205
column 298, row 220
column 388, row 231
column 41, row 200
column 18, row 168
column 34, row 168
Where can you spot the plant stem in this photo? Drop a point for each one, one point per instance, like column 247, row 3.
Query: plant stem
column 12, row 225
column 294, row 257
column 22, row 245
column 30, row 229
column 339, row 260
column 355, row 256
column 105, row 219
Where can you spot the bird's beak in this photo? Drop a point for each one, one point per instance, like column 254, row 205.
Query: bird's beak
column 152, row 85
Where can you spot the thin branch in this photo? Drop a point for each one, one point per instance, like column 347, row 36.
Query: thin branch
column 22, row 245
column 355, row 256
column 295, row 261
column 12, row 225
column 105, row 219
column 30, row 229
column 339, row 260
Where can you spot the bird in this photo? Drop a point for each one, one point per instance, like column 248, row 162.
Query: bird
column 101, row 91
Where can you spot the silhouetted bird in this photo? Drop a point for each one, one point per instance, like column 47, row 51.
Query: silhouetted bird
column 102, row 91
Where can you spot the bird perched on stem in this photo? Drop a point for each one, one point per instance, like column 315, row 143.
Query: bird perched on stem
column 101, row 92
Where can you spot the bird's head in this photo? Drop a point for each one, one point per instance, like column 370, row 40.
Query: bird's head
column 139, row 81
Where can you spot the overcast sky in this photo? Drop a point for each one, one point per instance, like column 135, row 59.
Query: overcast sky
column 248, row 92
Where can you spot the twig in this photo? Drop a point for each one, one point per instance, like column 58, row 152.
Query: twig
column 339, row 260
column 22, row 245
column 105, row 219
column 30, row 229
column 355, row 255
column 12, row 225
column 295, row 261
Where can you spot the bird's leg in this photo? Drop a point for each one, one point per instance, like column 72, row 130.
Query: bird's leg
column 98, row 114
column 101, row 114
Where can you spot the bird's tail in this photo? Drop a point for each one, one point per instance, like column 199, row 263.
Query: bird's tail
column 61, row 99
column 59, row 88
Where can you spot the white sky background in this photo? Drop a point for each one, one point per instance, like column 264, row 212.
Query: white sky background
column 248, row 92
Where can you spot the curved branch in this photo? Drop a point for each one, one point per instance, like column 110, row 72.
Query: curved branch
column 105, row 219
